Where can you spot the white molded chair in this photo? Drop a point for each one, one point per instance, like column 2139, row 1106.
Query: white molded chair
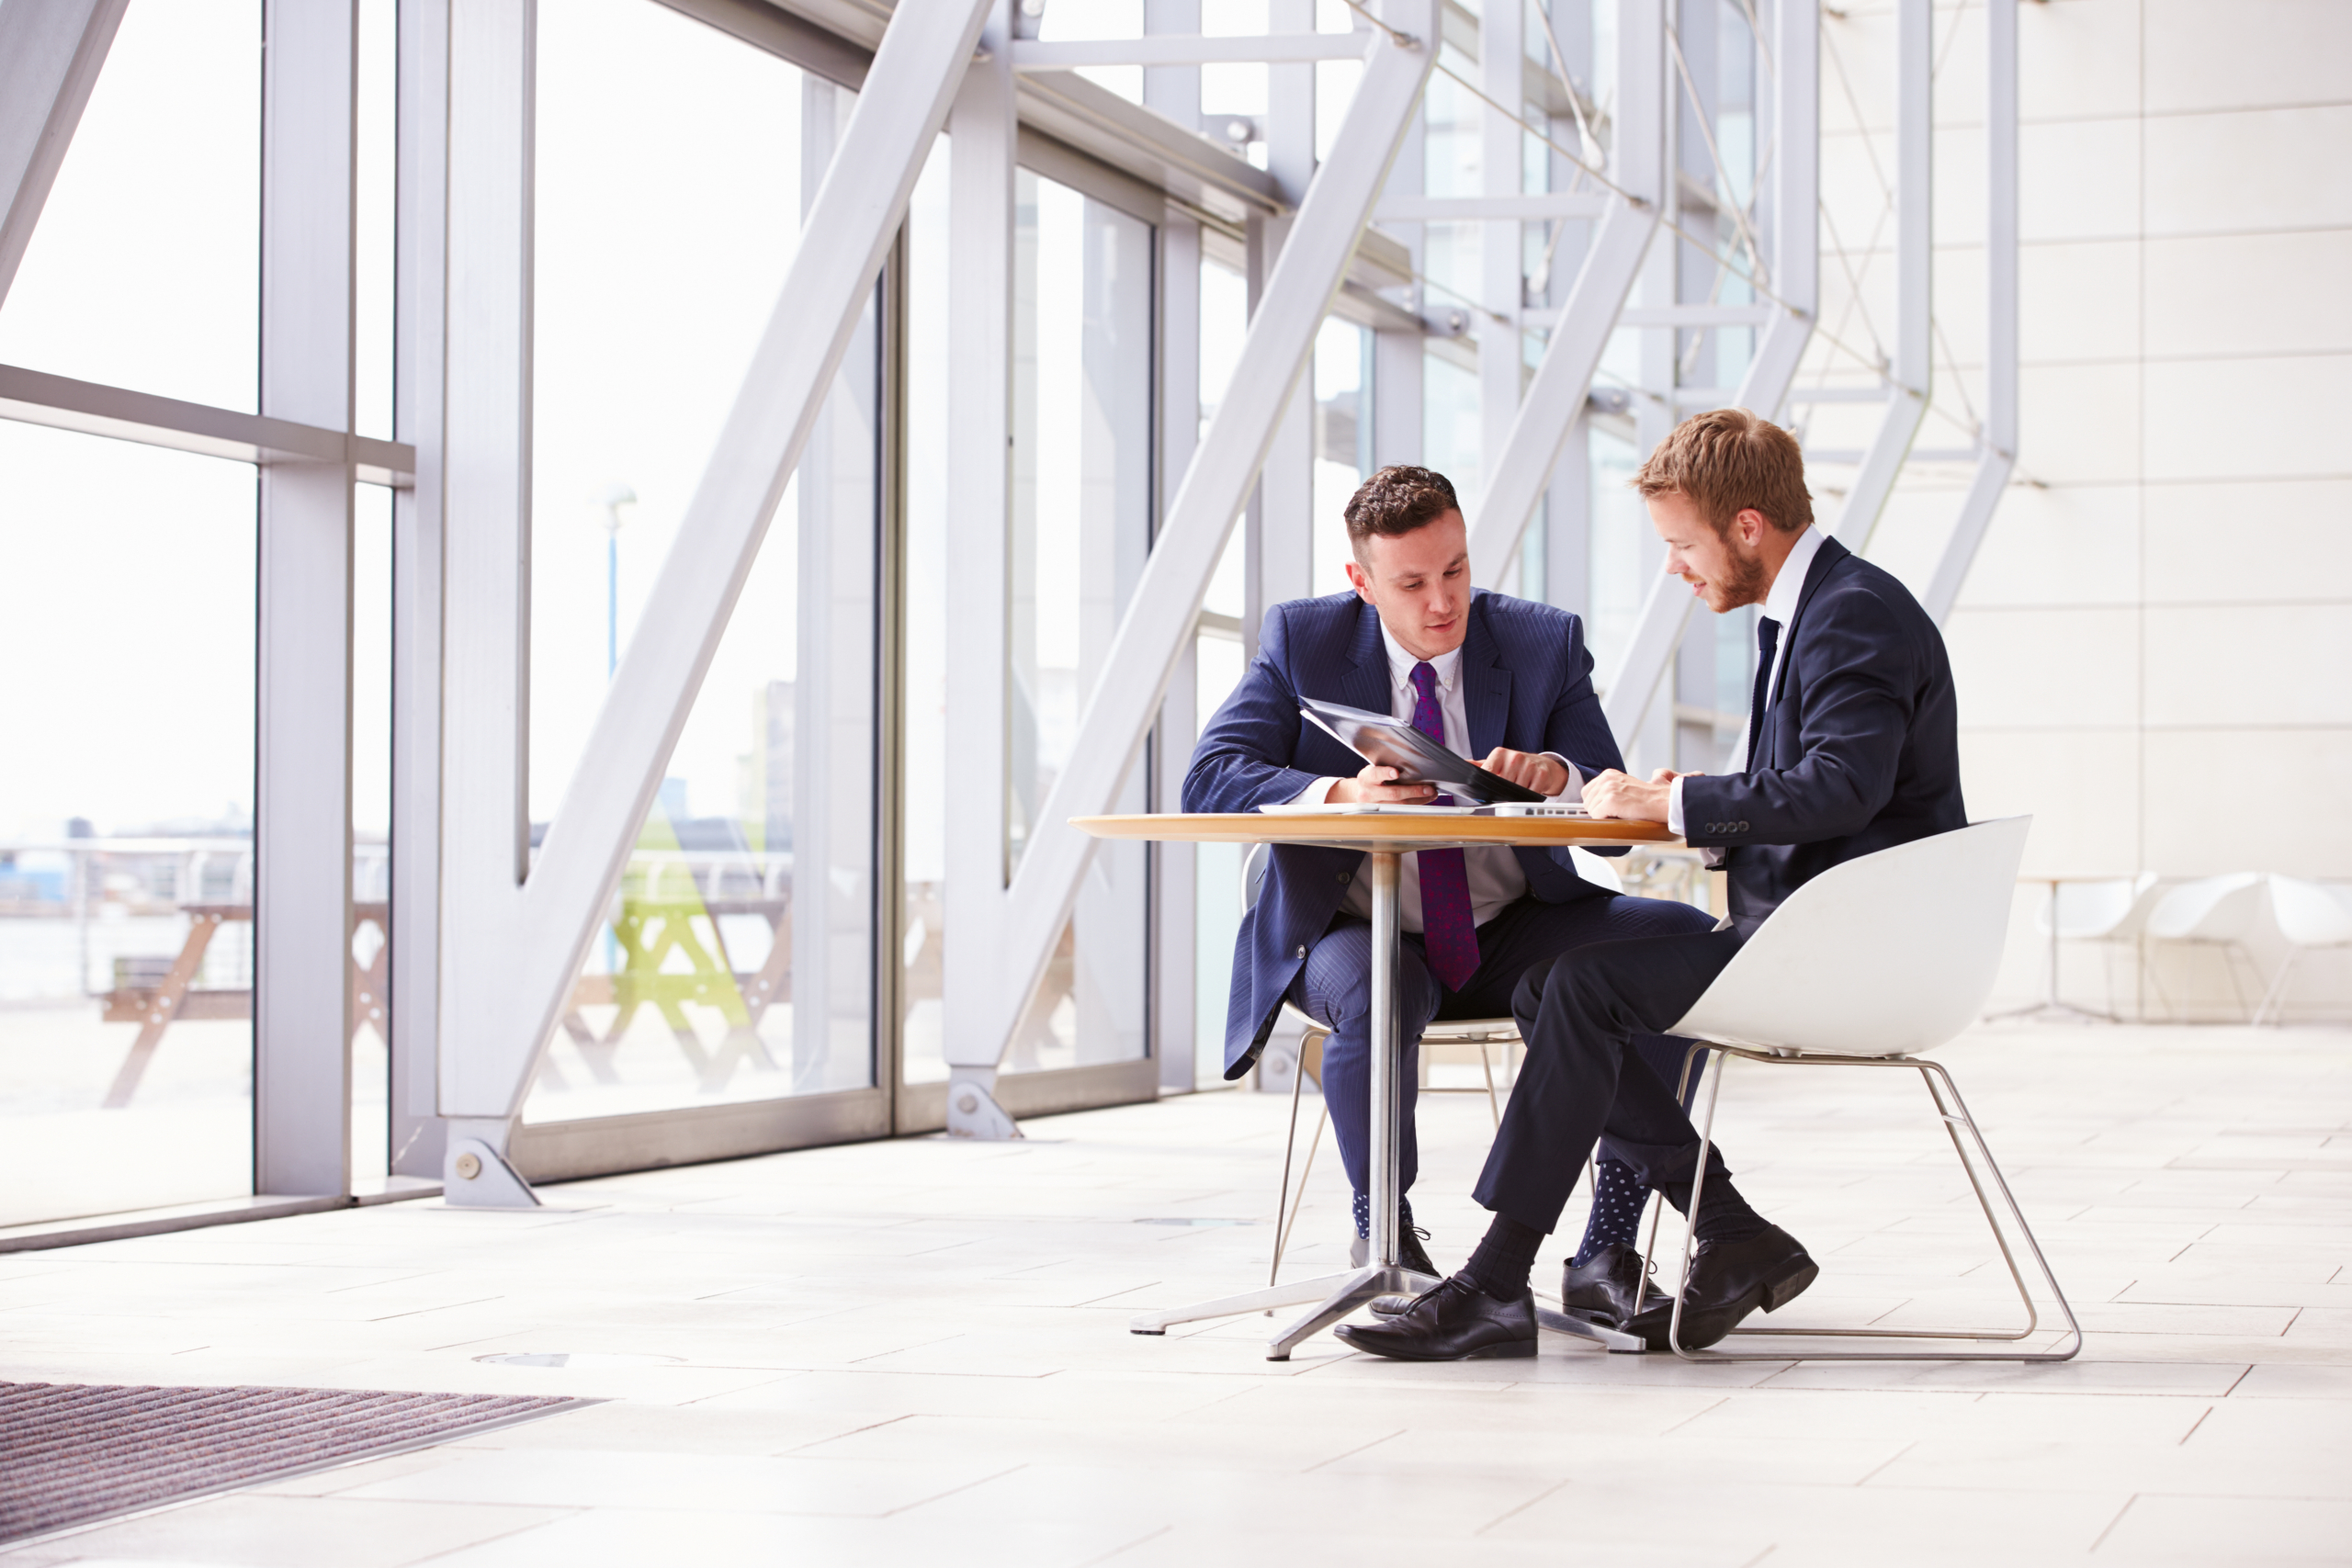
column 2310, row 915
column 2215, row 912
column 2111, row 913
column 1868, row 965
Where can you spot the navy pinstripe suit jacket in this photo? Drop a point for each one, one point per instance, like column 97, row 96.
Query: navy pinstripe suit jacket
column 1526, row 683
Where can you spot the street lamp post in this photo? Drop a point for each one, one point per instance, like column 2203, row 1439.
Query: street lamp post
column 616, row 495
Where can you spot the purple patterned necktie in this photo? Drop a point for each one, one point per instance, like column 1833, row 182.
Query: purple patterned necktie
column 1448, row 934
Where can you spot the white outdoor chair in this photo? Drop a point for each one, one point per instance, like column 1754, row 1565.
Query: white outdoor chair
column 1867, row 965
column 2310, row 915
column 2214, row 912
column 2111, row 913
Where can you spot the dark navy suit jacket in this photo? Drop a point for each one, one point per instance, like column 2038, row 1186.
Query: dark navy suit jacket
column 1526, row 683
column 1858, row 751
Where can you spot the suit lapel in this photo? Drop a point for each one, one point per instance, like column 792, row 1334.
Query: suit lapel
column 1367, row 685
column 1824, row 559
column 1486, row 685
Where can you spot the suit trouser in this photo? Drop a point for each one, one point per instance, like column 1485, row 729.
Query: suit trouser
column 1586, row 1017
column 1334, row 987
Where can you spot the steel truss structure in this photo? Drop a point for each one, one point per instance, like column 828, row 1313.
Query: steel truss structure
column 1657, row 238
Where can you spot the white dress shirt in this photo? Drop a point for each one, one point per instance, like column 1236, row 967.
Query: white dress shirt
column 1494, row 875
column 1780, row 607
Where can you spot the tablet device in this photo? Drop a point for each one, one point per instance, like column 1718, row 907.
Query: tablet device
column 1392, row 743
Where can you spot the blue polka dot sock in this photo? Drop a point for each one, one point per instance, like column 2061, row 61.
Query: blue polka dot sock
column 1617, row 1202
column 1363, row 1214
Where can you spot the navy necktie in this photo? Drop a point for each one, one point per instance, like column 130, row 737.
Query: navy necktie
column 1768, row 638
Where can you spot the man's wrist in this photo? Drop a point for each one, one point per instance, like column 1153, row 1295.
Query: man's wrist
column 1316, row 794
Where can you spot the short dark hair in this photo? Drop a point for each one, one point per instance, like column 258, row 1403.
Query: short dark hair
column 1398, row 500
column 1728, row 461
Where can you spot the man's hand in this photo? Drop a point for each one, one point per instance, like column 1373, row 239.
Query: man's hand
column 1546, row 776
column 1374, row 786
column 1628, row 799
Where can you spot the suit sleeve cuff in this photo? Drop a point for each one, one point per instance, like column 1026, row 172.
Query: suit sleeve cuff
column 1573, row 791
column 1674, row 811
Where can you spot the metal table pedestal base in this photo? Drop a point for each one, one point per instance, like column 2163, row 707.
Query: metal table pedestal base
column 1342, row 1294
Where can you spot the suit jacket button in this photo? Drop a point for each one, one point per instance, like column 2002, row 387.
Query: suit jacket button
column 1345, row 874
column 1301, row 953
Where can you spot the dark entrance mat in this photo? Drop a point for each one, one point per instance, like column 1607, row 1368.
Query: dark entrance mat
column 71, row 1453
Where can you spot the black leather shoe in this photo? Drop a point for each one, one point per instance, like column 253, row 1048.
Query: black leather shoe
column 1728, row 1280
column 1605, row 1290
column 1411, row 1253
column 1453, row 1322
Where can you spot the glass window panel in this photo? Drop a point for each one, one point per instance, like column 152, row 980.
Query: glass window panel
column 371, row 832
column 1619, row 571
column 738, row 963
column 1217, row 872
column 1081, row 529
column 1449, row 434
column 375, row 196
column 126, row 825
column 1342, row 438
column 924, row 733
column 668, row 209
column 145, row 269
column 1225, row 323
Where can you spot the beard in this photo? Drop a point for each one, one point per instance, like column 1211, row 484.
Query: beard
column 1743, row 583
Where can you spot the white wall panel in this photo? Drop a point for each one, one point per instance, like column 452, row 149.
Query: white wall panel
column 2260, row 169
column 2076, row 544
column 2302, row 828
column 2279, row 51
column 2234, row 666
column 2203, row 297
column 2079, row 424
column 2054, row 669
column 2246, row 542
column 2079, row 61
column 2082, row 788
column 2280, row 418
column 2078, row 180
column 2077, row 300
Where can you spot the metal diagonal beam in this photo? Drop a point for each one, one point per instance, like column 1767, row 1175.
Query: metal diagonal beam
column 505, row 980
column 1177, row 49
column 1159, row 622
column 1517, row 479
column 51, row 51
column 1795, row 239
column 2000, row 435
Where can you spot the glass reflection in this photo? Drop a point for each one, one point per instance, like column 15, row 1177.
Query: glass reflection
column 736, row 963
column 126, row 827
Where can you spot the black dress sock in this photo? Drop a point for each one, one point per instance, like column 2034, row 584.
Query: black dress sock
column 1723, row 1214
column 1504, row 1258
column 1618, row 1197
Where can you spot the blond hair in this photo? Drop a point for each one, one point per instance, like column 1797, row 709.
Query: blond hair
column 1727, row 461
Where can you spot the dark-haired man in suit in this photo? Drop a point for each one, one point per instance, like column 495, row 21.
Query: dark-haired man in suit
column 1852, row 747
column 1490, row 677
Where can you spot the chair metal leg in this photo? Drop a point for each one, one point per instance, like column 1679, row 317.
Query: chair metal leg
column 1287, row 1226
column 1289, row 1147
column 1494, row 1101
column 2277, row 990
column 1955, row 1119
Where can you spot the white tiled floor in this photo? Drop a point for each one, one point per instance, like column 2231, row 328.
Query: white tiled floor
column 917, row 1352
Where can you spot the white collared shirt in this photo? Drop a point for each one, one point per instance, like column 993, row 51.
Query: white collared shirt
column 1495, row 875
column 1780, row 607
